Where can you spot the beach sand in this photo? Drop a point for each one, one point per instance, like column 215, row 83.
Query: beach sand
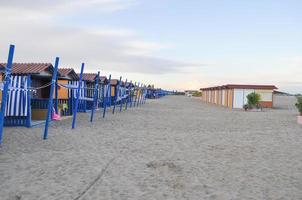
column 170, row 148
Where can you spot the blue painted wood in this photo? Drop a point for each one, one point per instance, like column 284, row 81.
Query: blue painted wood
column 131, row 99
column 107, row 97
column 77, row 99
column 128, row 92
column 50, row 102
column 116, row 96
column 135, row 100
column 95, row 97
column 7, row 80
column 28, row 117
column 39, row 103
column 140, row 95
column 122, row 100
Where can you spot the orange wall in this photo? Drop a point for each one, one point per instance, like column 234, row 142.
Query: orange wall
column 1, row 90
column 112, row 91
column 63, row 92
column 230, row 101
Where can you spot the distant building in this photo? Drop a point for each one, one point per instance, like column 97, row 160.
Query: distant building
column 189, row 93
column 235, row 96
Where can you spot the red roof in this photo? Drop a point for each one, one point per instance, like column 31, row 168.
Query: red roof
column 65, row 71
column 89, row 76
column 28, row 68
column 114, row 82
column 239, row 86
column 68, row 73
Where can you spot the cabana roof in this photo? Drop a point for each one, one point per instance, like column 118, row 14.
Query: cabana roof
column 239, row 86
column 30, row 68
column 89, row 76
column 103, row 80
column 129, row 84
column 68, row 73
column 114, row 82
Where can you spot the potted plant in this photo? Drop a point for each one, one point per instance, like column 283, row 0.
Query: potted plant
column 299, row 107
column 253, row 102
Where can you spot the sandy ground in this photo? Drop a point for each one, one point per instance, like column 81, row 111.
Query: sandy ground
column 170, row 148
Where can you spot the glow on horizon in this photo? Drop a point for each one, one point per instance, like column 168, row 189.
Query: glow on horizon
column 172, row 44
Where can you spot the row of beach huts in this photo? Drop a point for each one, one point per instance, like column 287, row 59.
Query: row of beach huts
column 36, row 93
column 234, row 96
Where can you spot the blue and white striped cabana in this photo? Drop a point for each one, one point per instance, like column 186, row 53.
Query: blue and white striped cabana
column 28, row 92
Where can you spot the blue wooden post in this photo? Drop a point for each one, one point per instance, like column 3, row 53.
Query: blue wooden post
column 103, row 95
column 129, row 94
column 77, row 99
column 117, row 94
column 145, row 94
column 50, row 101
column 28, row 117
column 7, row 81
column 95, row 98
column 142, row 95
column 122, row 100
column 136, row 94
column 131, row 99
column 107, row 96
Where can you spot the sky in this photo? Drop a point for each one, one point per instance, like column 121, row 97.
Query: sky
column 173, row 44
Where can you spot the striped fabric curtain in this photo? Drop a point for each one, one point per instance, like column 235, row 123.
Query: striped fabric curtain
column 74, row 92
column 106, row 90
column 17, row 101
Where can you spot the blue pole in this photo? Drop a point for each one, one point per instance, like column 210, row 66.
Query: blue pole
column 28, row 117
column 129, row 95
column 50, row 101
column 135, row 101
column 122, row 100
column 141, row 95
column 116, row 96
column 7, row 80
column 131, row 99
column 95, row 99
column 107, row 96
column 77, row 99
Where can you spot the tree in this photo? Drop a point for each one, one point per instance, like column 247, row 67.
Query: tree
column 299, row 104
column 253, row 99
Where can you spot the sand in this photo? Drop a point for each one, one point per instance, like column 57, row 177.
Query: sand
column 169, row 148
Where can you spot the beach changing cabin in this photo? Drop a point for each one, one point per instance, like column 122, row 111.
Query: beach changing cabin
column 235, row 95
column 66, row 96
column 28, row 93
column 113, row 87
column 87, row 94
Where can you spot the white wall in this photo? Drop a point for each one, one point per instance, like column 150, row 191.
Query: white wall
column 223, row 97
column 238, row 98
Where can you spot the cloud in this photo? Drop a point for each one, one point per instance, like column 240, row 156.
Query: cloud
column 60, row 6
column 39, row 39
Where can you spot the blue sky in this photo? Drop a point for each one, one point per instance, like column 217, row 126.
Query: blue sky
column 172, row 43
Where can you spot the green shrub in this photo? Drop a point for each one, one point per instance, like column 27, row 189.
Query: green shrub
column 253, row 99
column 299, row 104
column 197, row 94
